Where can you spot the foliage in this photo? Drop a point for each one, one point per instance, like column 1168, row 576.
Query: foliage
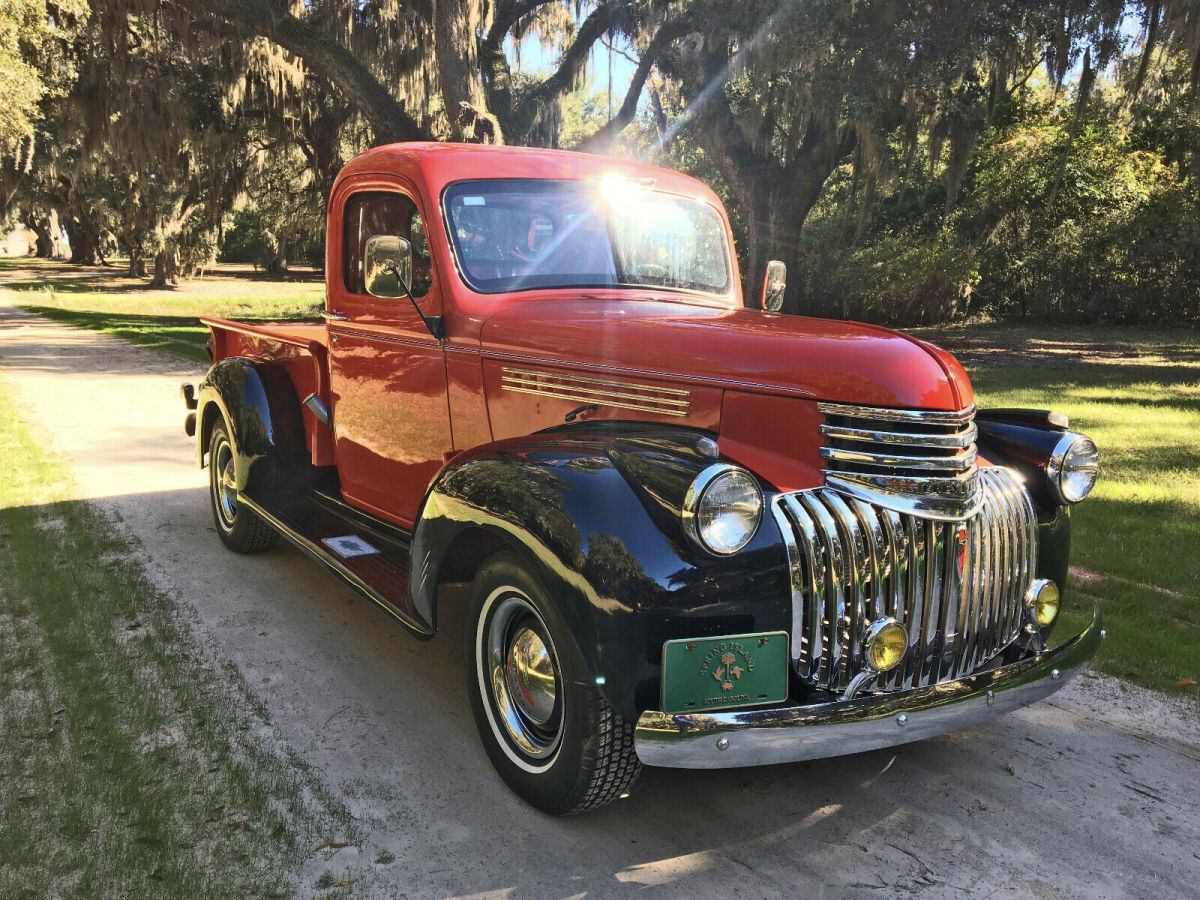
column 910, row 161
column 30, row 62
column 1066, row 215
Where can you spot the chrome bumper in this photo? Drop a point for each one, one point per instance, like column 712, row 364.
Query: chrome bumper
column 760, row 737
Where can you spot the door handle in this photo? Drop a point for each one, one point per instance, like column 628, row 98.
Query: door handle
column 334, row 315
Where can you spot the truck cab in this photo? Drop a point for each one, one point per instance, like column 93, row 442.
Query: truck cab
column 697, row 534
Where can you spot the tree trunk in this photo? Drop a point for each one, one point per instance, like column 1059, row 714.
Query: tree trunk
column 137, row 262
column 57, row 248
column 43, row 245
column 85, row 241
column 279, row 262
column 166, row 268
column 456, row 24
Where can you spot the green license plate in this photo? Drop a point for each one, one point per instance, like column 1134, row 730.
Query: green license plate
column 706, row 674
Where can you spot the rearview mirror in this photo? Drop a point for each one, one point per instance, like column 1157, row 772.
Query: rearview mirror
column 774, row 284
column 387, row 267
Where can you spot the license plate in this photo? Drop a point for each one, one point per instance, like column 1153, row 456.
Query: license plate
column 706, row 674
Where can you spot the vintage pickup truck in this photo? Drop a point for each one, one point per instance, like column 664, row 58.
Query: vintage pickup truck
column 696, row 534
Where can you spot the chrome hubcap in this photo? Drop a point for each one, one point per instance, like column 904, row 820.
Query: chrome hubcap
column 224, row 483
column 518, row 661
column 531, row 677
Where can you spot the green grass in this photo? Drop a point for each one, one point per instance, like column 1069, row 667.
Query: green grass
column 1137, row 537
column 127, row 762
column 164, row 319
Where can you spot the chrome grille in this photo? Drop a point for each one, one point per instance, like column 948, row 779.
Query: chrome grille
column 920, row 462
column 957, row 587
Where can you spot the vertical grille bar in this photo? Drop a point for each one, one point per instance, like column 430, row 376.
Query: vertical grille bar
column 959, row 595
column 916, row 590
column 835, row 601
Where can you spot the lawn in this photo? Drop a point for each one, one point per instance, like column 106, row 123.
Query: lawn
column 164, row 319
column 1136, row 539
column 128, row 764
column 1136, row 392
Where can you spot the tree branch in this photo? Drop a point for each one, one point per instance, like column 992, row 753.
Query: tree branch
column 327, row 57
column 573, row 61
column 667, row 33
column 508, row 14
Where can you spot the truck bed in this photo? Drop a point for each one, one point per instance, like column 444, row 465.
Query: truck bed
column 301, row 334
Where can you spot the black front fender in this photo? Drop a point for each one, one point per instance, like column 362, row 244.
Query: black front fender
column 1025, row 439
column 591, row 513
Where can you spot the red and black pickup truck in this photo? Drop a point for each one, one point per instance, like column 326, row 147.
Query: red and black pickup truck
column 696, row 534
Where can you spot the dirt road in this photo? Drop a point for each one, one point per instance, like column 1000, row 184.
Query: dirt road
column 1093, row 794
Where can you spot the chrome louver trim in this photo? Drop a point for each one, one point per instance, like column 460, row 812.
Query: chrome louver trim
column 918, row 462
column 957, row 587
column 602, row 391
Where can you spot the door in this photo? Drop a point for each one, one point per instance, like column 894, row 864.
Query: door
column 391, row 420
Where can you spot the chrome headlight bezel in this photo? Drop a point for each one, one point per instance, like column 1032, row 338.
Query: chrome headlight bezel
column 1065, row 461
column 701, row 488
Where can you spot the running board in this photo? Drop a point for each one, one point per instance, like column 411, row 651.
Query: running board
column 372, row 557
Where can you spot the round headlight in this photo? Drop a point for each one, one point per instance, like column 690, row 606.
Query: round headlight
column 886, row 645
column 1042, row 601
column 723, row 508
column 1074, row 467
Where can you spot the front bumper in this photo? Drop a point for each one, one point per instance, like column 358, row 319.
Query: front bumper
column 760, row 737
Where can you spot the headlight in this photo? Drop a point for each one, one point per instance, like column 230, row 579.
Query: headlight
column 1074, row 467
column 723, row 509
column 1042, row 600
column 886, row 645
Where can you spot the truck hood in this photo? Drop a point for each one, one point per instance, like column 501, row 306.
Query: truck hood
column 843, row 362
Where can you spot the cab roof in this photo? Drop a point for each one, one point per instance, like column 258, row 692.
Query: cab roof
column 433, row 165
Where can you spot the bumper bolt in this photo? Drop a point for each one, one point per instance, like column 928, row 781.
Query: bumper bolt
column 1054, row 673
column 991, row 697
column 722, row 743
column 902, row 720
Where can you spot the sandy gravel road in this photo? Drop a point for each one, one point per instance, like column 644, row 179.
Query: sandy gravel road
column 1094, row 794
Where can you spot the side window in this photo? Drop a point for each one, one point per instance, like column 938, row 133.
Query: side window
column 369, row 213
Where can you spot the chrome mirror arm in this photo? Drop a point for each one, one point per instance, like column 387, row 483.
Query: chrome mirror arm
column 435, row 324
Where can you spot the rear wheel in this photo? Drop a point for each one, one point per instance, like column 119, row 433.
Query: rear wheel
column 238, row 526
column 546, row 728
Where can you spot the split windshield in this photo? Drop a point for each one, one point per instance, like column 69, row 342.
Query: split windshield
column 520, row 234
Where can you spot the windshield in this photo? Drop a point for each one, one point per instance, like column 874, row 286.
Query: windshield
column 517, row 234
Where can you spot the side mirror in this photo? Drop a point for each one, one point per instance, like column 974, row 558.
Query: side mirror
column 387, row 267
column 773, row 286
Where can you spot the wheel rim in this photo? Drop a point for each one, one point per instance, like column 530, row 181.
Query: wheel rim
column 519, row 677
column 224, row 484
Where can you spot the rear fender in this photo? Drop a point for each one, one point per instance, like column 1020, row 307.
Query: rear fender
column 261, row 409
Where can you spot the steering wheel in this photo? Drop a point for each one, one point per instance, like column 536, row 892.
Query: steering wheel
column 650, row 270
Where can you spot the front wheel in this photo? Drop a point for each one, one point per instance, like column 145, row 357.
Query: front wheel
column 546, row 728
column 239, row 527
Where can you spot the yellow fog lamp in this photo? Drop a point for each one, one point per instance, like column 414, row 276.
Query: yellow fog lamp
column 887, row 642
column 1041, row 600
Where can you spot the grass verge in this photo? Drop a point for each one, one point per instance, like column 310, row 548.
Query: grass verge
column 163, row 319
column 1137, row 394
column 128, row 765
